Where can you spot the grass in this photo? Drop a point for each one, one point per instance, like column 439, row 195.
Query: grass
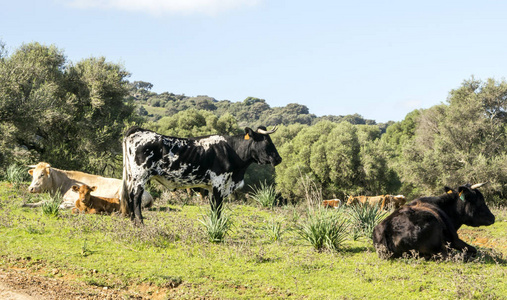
column 16, row 174
column 323, row 230
column 364, row 218
column 173, row 254
column 265, row 195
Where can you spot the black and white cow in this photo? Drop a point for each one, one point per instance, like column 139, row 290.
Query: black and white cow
column 217, row 163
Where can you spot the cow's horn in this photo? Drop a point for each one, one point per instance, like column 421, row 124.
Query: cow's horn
column 477, row 185
column 32, row 166
column 267, row 132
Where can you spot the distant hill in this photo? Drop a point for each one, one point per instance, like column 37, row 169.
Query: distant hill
column 251, row 112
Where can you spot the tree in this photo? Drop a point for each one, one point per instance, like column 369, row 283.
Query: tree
column 70, row 115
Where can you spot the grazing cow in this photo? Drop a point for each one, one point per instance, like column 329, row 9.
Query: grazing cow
column 429, row 225
column 384, row 200
column 353, row 200
column 217, row 163
column 52, row 180
column 336, row 203
column 89, row 204
column 394, row 201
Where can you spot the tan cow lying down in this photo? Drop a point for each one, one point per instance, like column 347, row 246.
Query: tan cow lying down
column 384, row 201
column 89, row 204
column 52, row 180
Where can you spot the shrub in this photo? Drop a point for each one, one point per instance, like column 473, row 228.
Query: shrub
column 364, row 218
column 275, row 229
column 16, row 174
column 265, row 195
column 216, row 225
column 51, row 205
column 324, row 230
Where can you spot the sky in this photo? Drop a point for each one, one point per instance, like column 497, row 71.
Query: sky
column 379, row 59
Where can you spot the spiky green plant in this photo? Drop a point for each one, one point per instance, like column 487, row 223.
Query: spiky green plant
column 364, row 218
column 274, row 229
column 216, row 225
column 265, row 195
column 323, row 230
column 16, row 174
column 51, row 205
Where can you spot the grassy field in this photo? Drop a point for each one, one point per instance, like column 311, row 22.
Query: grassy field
column 171, row 257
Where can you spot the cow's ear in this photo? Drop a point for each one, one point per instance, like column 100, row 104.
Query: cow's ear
column 448, row 190
column 463, row 192
column 30, row 172
column 93, row 188
column 75, row 188
column 249, row 133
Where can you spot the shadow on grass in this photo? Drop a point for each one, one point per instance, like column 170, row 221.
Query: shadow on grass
column 163, row 208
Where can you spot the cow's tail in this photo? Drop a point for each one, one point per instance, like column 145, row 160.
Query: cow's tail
column 124, row 190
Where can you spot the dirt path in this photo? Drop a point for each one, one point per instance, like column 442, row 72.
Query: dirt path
column 18, row 284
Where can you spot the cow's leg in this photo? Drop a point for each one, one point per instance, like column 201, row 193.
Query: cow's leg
column 137, row 217
column 216, row 201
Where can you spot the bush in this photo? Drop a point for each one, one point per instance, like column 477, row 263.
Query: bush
column 217, row 225
column 265, row 195
column 51, row 205
column 364, row 218
column 274, row 230
column 16, row 174
column 324, row 230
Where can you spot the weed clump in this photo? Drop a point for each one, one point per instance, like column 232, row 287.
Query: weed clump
column 265, row 195
column 216, row 225
column 16, row 175
column 364, row 218
column 51, row 205
column 323, row 230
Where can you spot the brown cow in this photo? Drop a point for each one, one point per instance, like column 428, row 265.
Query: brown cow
column 356, row 200
column 394, row 201
column 384, row 200
column 336, row 203
column 89, row 204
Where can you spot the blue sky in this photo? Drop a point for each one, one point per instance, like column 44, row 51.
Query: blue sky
column 380, row 59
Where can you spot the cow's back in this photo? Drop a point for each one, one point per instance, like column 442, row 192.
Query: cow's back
column 416, row 227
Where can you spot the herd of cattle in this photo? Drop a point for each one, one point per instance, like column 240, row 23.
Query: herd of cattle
column 426, row 225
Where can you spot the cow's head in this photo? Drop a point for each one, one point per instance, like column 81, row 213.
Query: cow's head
column 41, row 178
column 262, row 149
column 475, row 210
column 84, row 192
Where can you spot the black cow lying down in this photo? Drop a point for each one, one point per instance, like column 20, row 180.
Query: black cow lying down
column 217, row 163
column 429, row 225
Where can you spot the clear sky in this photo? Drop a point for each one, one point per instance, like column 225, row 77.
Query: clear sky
column 380, row 59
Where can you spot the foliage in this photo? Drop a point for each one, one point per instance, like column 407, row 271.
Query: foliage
column 342, row 158
column 323, row 230
column 216, row 225
column 275, row 229
column 364, row 218
column 51, row 205
column 68, row 114
column 450, row 144
column 264, row 194
column 16, row 174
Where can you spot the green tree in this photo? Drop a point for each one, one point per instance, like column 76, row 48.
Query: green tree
column 70, row 115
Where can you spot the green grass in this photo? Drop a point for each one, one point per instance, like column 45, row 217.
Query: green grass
column 173, row 253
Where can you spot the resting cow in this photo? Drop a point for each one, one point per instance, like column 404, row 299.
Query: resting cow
column 89, row 204
column 429, row 225
column 52, row 180
column 217, row 163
